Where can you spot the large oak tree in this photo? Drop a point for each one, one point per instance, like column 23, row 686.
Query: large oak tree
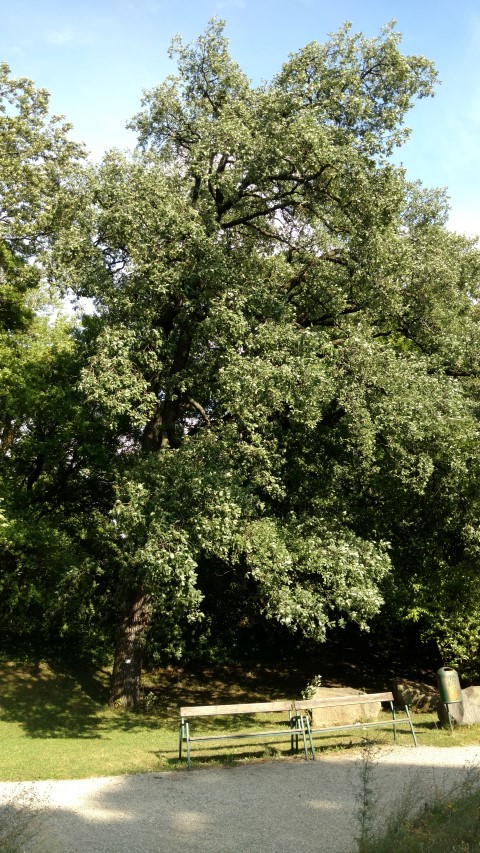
column 284, row 326
column 273, row 409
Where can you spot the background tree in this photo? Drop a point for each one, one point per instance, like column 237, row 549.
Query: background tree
column 50, row 442
column 36, row 155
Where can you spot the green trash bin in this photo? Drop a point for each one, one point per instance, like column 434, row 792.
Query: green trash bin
column 449, row 685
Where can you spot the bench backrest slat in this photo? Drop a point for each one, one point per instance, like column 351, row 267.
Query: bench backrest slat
column 240, row 708
column 333, row 701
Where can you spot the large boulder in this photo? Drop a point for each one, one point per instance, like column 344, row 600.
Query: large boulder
column 343, row 715
column 417, row 695
column 463, row 713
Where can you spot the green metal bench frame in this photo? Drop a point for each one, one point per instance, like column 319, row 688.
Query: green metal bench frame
column 304, row 705
column 297, row 723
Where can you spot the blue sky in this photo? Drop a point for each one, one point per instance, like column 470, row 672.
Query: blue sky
column 95, row 58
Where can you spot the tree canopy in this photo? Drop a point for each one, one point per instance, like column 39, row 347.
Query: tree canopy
column 279, row 380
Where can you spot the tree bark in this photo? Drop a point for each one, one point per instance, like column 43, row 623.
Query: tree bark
column 125, row 687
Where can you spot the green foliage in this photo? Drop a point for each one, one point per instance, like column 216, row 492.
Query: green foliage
column 55, row 489
column 35, row 155
column 205, row 247
column 284, row 324
column 54, row 453
column 279, row 384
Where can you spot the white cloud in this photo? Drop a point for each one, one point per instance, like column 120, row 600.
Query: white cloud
column 465, row 222
column 61, row 36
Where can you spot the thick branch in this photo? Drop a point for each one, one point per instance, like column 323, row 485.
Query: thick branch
column 248, row 217
column 199, row 409
column 35, row 473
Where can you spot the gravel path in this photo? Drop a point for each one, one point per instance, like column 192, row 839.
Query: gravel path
column 276, row 807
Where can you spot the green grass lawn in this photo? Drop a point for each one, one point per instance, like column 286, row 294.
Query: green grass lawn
column 56, row 724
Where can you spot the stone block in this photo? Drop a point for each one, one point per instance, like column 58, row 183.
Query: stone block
column 417, row 695
column 464, row 713
column 346, row 715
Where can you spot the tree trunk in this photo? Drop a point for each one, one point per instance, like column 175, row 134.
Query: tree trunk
column 125, row 687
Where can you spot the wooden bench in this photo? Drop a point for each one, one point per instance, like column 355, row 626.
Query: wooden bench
column 304, row 705
column 293, row 728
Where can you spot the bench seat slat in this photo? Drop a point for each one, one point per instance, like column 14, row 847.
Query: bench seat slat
column 233, row 736
column 377, row 724
column 332, row 702
column 239, row 708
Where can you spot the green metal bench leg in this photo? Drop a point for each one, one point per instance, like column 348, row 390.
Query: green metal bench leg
column 294, row 737
column 187, row 732
column 180, row 739
column 298, row 725
column 309, row 733
column 392, row 706
column 302, row 723
column 411, row 726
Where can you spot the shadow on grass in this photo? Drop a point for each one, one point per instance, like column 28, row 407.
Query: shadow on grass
column 52, row 703
column 47, row 700
column 220, row 756
column 47, row 703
